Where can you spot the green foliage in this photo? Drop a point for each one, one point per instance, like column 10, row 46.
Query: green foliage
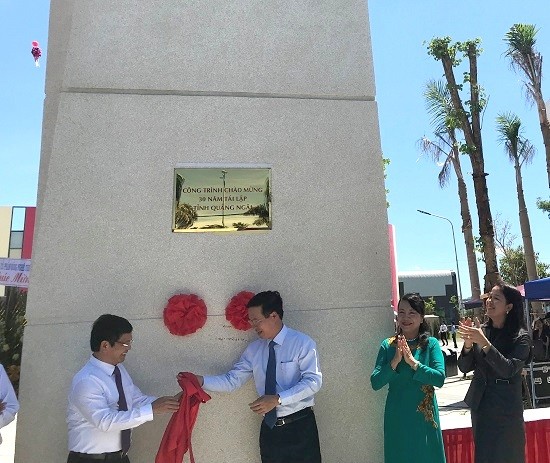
column 442, row 50
column 385, row 163
column 185, row 216
column 544, row 205
column 479, row 247
column 240, row 225
column 513, row 269
column 518, row 148
column 12, row 323
column 521, row 39
column 454, row 301
column 441, row 47
column 430, row 306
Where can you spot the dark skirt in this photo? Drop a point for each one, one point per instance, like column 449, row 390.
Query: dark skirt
column 498, row 426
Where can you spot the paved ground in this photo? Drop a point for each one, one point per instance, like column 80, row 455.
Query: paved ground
column 453, row 412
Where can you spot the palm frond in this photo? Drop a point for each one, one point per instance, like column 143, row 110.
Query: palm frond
column 439, row 106
column 442, row 149
column 521, row 38
column 433, row 149
column 445, row 173
column 518, row 148
column 527, row 151
column 521, row 41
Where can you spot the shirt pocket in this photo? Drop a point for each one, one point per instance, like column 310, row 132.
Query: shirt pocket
column 290, row 373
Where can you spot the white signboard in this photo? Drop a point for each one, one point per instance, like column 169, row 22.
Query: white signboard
column 15, row 272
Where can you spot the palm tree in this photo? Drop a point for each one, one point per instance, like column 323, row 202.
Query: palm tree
column 185, row 216
column 520, row 151
column 521, row 40
column 469, row 123
column 445, row 152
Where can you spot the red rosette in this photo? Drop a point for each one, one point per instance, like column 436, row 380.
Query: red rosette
column 184, row 314
column 236, row 312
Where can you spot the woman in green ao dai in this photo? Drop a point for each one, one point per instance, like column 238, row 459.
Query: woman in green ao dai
column 411, row 363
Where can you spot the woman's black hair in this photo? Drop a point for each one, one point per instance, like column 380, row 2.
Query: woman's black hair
column 418, row 305
column 515, row 321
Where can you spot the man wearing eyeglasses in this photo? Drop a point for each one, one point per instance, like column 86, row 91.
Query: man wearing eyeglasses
column 104, row 403
column 289, row 431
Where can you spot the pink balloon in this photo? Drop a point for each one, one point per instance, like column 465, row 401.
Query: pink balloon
column 35, row 43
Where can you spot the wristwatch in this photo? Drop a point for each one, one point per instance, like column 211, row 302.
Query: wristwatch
column 279, row 401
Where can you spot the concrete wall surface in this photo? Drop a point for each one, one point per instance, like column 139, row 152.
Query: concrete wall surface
column 136, row 88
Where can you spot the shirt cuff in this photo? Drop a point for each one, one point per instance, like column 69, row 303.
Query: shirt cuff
column 148, row 411
column 207, row 383
column 284, row 395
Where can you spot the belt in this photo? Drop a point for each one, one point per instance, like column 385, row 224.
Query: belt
column 294, row 417
column 502, row 381
column 107, row 456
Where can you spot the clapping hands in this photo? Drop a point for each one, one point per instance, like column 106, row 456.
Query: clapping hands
column 472, row 334
column 403, row 351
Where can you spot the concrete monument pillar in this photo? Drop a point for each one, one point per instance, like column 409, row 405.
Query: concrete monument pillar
column 133, row 90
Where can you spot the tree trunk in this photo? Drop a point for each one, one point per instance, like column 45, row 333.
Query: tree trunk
column 525, row 228
column 545, row 129
column 467, row 229
column 472, row 135
column 486, row 230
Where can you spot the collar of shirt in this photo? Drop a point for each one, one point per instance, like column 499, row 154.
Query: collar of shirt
column 281, row 335
column 107, row 368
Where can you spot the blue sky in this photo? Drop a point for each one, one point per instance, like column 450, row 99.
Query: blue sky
column 21, row 99
column 402, row 67
column 399, row 29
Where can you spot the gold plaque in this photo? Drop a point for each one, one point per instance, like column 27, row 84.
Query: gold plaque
column 221, row 199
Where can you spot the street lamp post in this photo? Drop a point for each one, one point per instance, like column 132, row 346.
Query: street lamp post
column 223, row 196
column 460, row 302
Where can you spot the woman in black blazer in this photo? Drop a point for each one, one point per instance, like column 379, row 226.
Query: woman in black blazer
column 497, row 352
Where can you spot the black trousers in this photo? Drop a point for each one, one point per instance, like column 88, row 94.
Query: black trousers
column 76, row 458
column 296, row 442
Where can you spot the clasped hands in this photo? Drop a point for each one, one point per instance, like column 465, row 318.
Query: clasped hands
column 472, row 334
column 403, row 351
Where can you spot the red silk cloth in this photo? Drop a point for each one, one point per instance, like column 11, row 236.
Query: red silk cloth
column 184, row 314
column 459, row 443
column 177, row 436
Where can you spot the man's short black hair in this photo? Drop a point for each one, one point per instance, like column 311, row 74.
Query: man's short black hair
column 269, row 301
column 108, row 328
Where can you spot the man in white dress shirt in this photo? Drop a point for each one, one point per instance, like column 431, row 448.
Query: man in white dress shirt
column 292, row 434
column 8, row 402
column 98, row 416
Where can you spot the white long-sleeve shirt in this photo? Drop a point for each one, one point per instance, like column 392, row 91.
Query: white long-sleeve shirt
column 7, row 396
column 298, row 373
column 93, row 418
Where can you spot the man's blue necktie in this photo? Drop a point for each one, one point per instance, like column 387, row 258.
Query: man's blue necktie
column 271, row 384
column 122, row 406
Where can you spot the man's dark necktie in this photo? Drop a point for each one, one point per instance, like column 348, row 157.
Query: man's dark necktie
column 271, row 384
column 122, row 406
